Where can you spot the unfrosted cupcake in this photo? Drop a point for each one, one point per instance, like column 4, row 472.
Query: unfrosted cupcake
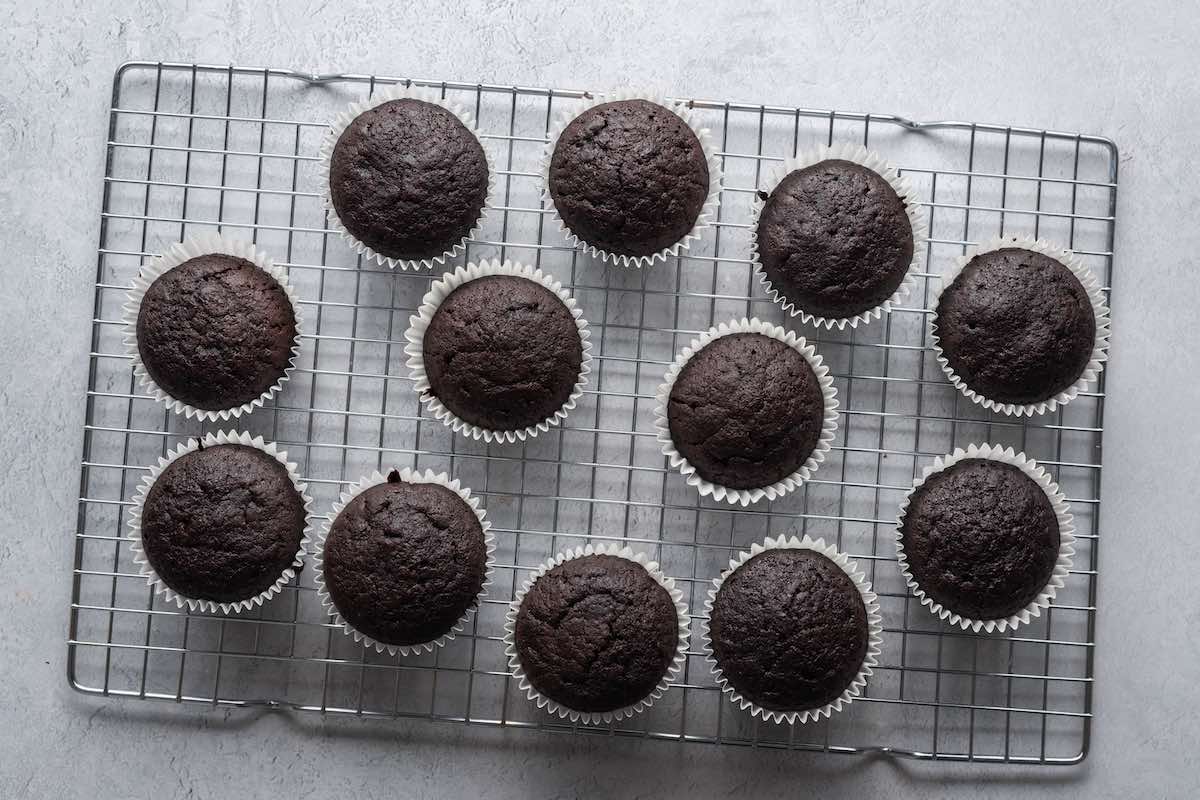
column 220, row 523
column 499, row 351
column 836, row 236
column 408, row 179
column 213, row 327
column 1021, row 326
column 404, row 560
column 631, row 179
column 985, row 538
column 596, row 634
column 793, row 630
column 747, row 411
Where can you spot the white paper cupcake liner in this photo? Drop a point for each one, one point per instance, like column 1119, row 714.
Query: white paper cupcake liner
column 143, row 490
column 874, row 627
column 407, row 475
column 1099, row 309
column 708, row 212
column 1066, row 531
column 419, row 322
column 176, row 254
column 781, row 487
column 860, row 155
column 385, row 94
column 591, row 717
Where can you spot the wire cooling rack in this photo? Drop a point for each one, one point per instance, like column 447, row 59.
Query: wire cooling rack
column 195, row 148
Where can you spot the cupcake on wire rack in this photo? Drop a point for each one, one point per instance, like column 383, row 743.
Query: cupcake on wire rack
column 837, row 235
column 1021, row 326
column 596, row 634
column 499, row 351
column 794, row 630
column 213, row 327
column 221, row 523
column 404, row 560
column 632, row 177
column 407, row 179
column 985, row 538
column 747, row 411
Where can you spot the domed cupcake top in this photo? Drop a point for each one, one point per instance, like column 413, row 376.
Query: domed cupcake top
column 222, row 523
column 746, row 411
column 408, row 179
column 629, row 177
column 834, row 239
column 404, row 561
column 502, row 352
column 596, row 633
column 981, row 538
column 215, row 331
column 1016, row 326
column 788, row 630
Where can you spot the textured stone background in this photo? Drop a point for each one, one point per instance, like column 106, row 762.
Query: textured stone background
column 1123, row 69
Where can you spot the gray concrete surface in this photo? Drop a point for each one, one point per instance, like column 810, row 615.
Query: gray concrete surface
column 1123, row 69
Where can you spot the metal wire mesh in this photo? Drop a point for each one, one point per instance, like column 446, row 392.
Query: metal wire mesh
column 193, row 148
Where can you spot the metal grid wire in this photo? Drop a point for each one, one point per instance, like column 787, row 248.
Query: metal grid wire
column 192, row 148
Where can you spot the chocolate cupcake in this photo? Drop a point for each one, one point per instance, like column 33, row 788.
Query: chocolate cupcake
column 985, row 538
column 213, row 327
column 596, row 634
column 793, row 630
column 498, row 351
column 631, row 179
column 1021, row 327
column 220, row 523
column 747, row 411
column 836, row 236
column 404, row 560
column 408, row 179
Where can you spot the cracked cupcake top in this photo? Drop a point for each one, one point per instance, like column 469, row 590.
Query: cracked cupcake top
column 789, row 630
column 596, row 633
column 629, row 177
column 1016, row 325
column 408, row 179
column 835, row 239
column 981, row 538
column 216, row 331
column 403, row 562
column 222, row 523
column 746, row 411
column 502, row 352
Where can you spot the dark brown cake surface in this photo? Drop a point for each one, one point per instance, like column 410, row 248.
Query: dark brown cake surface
column 981, row 538
column 502, row 352
column 215, row 332
column 222, row 523
column 596, row 633
column 1017, row 326
column 629, row 177
column 746, row 411
column 408, row 179
column 835, row 239
column 403, row 562
column 789, row 630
